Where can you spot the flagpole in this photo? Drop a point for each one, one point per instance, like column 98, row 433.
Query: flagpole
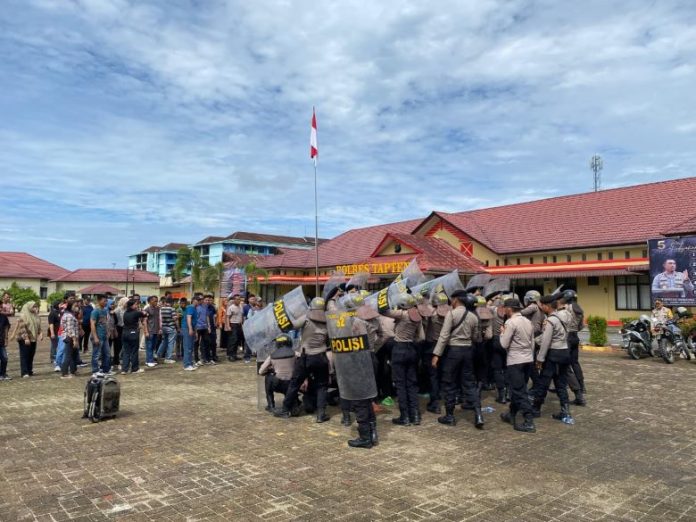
column 316, row 232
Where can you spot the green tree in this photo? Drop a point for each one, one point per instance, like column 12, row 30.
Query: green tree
column 211, row 277
column 189, row 260
column 253, row 273
column 20, row 296
column 54, row 296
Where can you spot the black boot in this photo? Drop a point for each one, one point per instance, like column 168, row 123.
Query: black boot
column 564, row 413
column 271, row 406
column 579, row 398
column 281, row 412
column 527, row 426
column 345, row 420
column 448, row 418
column 478, row 418
column 364, row 439
column 508, row 417
column 373, row 433
column 500, row 399
column 403, row 419
column 415, row 417
column 322, row 416
column 433, row 407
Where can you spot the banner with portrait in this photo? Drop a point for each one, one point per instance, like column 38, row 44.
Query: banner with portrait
column 672, row 269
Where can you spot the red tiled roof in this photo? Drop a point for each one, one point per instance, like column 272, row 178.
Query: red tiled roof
column 153, row 249
column 173, row 246
column 23, row 265
column 210, row 239
column 346, row 248
column 433, row 254
column 618, row 216
column 99, row 288
column 108, row 275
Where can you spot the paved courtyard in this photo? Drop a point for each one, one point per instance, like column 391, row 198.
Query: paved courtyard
column 193, row 446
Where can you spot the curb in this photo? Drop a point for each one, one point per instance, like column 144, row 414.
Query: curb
column 599, row 349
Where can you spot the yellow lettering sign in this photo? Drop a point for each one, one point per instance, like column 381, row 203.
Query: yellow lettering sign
column 281, row 316
column 373, row 268
column 349, row 344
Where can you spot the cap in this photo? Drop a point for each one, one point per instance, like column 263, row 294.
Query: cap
column 512, row 303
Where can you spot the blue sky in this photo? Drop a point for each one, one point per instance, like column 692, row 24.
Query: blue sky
column 125, row 124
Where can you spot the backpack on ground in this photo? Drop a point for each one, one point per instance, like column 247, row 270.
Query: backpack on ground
column 102, row 397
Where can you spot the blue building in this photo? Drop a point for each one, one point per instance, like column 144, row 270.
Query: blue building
column 161, row 260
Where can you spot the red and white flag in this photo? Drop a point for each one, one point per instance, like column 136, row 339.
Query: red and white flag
column 313, row 147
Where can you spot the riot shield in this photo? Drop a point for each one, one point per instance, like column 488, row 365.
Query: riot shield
column 478, row 281
column 336, row 279
column 412, row 274
column 276, row 318
column 448, row 283
column 359, row 280
column 352, row 357
column 497, row 285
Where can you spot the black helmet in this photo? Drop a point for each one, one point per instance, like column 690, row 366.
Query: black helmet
column 468, row 300
column 682, row 312
column 569, row 296
column 283, row 340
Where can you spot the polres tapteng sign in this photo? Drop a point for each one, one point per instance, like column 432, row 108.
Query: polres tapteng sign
column 395, row 267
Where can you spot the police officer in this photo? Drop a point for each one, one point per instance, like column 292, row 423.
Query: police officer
column 672, row 282
column 536, row 315
column 498, row 354
column 277, row 369
column 312, row 361
column 483, row 355
column 576, row 379
column 440, row 303
column 517, row 339
column 457, row 336
column 553, row 359
column 404, row 359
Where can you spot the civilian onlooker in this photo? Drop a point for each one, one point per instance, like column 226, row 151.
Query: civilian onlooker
column 27, row 331
column 118, row 340
column 70, row 330
column 188, row 331
column 203, row 332
column 223, row 324
column 153, row 330
column 4, row 331
column 86, row 317
column 212, row 320
column 180, row 312
column 249, row 304
column 100, row 342
column 6, row 307
column 169, row 324
column 132, row 318
column 236, row 318
column 53, row 327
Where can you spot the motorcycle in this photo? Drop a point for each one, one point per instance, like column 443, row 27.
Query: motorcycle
column 637, row 338
column 671, row 342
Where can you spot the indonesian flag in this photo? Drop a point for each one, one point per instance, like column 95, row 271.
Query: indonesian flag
column 313, row 148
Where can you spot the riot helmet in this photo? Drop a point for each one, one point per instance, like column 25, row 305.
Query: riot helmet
column 569, row 296
column 317, row 303
column 532, row 296
column 440, row 299
column 406, row 301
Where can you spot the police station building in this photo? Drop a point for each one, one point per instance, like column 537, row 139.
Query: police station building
column 594, row 243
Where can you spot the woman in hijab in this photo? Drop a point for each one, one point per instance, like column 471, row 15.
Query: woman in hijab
column 117, row 314
column 27, row 332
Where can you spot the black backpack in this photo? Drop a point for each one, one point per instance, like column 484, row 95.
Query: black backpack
column 102, row 397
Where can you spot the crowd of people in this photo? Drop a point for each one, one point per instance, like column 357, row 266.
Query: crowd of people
column 116, row 329
column 448, row 348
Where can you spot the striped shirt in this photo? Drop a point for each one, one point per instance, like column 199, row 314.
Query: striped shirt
column 168, row 317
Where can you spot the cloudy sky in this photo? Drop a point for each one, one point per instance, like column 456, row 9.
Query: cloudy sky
column 125, row 124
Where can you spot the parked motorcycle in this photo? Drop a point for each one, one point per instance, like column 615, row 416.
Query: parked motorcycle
column 637, row 337
column 670, row 339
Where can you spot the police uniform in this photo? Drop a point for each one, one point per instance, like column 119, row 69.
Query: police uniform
column 536, row 315
column 432, row 334
column 672, row 282
column 457, row 336
column 576, row 317
column 277, row 369
column 555, row 357
column 498, row 355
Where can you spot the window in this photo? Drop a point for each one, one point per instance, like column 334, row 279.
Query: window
column 569, row 283
column 531, row 260
column 644, row 253
column 505, row 261
column 593, row 281
column 569, row 258
column 553, row 259
column 486, row 262
column 599, row 256
column 497, row 262
column 584, row 257
column 518, row 261
column 632, row 292
column 43, row 292
column 610, row 256
column 397, row 248
column 545, row 260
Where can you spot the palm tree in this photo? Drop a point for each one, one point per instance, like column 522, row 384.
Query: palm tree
column 212, row 277
column 190, row 260
column 252, row 273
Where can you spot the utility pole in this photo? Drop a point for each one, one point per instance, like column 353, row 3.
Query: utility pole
column 596, row 164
